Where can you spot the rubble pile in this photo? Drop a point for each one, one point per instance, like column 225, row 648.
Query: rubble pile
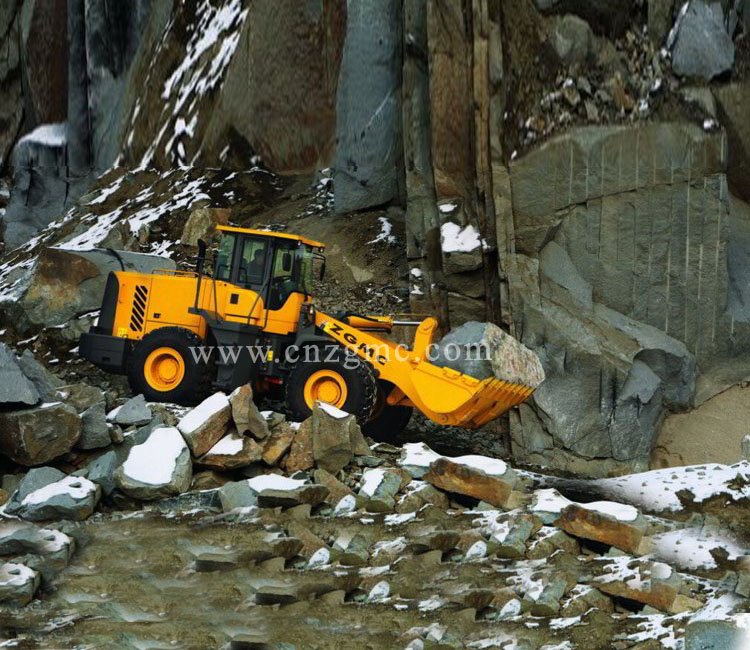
column 465, row 551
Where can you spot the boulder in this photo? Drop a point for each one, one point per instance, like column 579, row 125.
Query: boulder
column 509, row 538
column 157, row 468
column 81, row 396
column 15, row 387
column 572, row 39
column 333, row 431
column 612, row 523
column 479, row 477
column 543, row 595
column 300, row 456
column 246, row 416
column 204, row 426
column 18, row 583
column 717, row 634
column 232, row 452
column 64, row 283
column 483, row 350
column 94, row 428
column 701, row 45
column 351, row 548
column 101, row 471
column 70, row 497
column 336, row 489
column 17, row 537
column 133, row 412
column 278, row 443
column 201, row 224
column 44, row 381
column 379, row 488
column 270, row 491
column 368, row 164
column 651, row 583
column 37, row 435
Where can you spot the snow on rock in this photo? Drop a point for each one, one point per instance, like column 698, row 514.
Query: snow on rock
column 416, row 458
column 233, row 451
column 18, row 583
column 384, row 236
column 71, row 497
column 332, row 410
column 656, row 491
column 157, row 468
column 455, row 239
column 48, row 135
column 690, row 548
column 203, row 426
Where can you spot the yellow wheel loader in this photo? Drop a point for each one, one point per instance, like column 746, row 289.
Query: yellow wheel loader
column 178, row 335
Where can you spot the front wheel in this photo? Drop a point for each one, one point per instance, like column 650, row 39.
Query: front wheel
column 163, row 368
column 346, row 382
column 386, row 421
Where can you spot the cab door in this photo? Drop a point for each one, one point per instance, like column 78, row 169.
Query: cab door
column 244, row 269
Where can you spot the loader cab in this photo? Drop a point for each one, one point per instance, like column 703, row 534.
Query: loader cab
column 276, row 266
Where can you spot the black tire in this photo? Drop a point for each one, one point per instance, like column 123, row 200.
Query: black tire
column 386, row 421
column 360, row 380
column 195, row 384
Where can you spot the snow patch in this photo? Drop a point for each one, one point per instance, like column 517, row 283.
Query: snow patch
column 75, row 487
column 154, row 461
column 203, row 412
column 459, row 240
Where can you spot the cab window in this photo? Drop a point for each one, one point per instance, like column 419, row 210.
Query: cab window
column 252, row 261
column 283, row 276
column 223, row 269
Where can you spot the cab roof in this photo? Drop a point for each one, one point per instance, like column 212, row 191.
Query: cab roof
column 271, row 233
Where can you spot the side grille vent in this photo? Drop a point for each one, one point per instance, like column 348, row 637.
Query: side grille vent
column 139, row 308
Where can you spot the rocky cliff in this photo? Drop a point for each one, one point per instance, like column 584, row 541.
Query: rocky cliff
column 575, row 171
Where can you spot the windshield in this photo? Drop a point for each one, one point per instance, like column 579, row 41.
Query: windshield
column 223, row 268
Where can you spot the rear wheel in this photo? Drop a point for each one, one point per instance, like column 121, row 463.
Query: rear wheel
column 386, row 421
column 333, row 379
column 163, row 368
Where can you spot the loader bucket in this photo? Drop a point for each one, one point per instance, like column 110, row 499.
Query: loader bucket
column 452, row 398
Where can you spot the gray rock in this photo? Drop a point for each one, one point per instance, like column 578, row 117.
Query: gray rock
column 307, row 494
column 379, row 488
column 233, row 451
column 368, row 165
column 157, row 468
column 101, row 471
column 37, row 435
column 17, row 537
column 196, row 500
column 71, row 497
column 351, row 548
column 33, row 480
column 18, row 583
column 135, row 411
column 94, row 428
column 81, row 396
column 15, row 387
column 245, row 413
column 702, row 47
column 237, row 494
column 483, row 350
column 332, row 438
column 206, row 424
column 714, row 635
column 572, row 39
column 44, row 381
column 610, row 18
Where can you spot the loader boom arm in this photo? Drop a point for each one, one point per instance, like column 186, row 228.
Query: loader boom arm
column 444, row 395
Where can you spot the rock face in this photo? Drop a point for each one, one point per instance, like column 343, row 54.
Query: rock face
column 732, row 101
column 368, row 162
column 232, row 452
column 37, row 435
column 702, row 47
column 201, row 224
column 598, row 317
column 333, row 436
column 63, row 284
column 157, row 468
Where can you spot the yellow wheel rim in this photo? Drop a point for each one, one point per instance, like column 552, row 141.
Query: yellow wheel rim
column 325, row 386
column 164, row 369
